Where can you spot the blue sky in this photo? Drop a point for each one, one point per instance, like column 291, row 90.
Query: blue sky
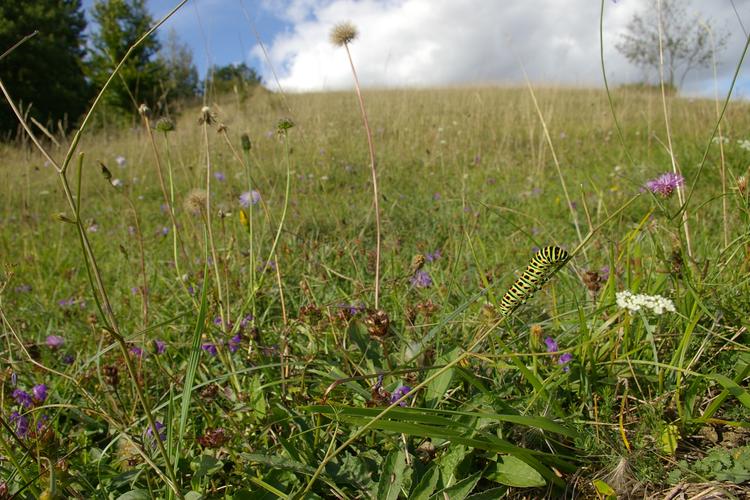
column 436, row 42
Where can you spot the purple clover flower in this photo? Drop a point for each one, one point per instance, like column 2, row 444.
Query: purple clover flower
column 235, row 343
column 249, row 197
column 564, row 360
column 23, row 398
column 665, row 184
column 433, row 256
column 551, row 344
column 54, row 341
column 421, row 279
column 400, row 392
column 40, row 392
column 160, row 346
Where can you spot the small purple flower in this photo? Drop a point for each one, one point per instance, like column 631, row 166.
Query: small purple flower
column 269, row 265
column 604, row 273
column 22, row 423
column 68, row 359
column 136, row 351
column 160, row 346
column 436, row 197
column 551, row 344
column 235, row 342
column 564, row 360
column 421, row 279
column 66, row 302
column 400, row 392
column 163, row 231
column 54, row 341
column 219, row 176
column 249, row 197
column 432, row 257
column 23, row 288
column 246, row 321
column 160, row 430
column 210, row 349
column 23, row 398
column 93, row 228
column 351, row 309
column 665, row 184
column 40, row 392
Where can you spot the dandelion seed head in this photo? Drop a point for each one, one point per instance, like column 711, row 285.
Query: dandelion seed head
column 195, row 201
column 343, row 34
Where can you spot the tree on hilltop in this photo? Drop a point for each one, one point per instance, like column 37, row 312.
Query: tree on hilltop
column 45, row 73
column 686, row 41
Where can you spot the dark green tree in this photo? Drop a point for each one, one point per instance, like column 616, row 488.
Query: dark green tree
column 237, row 78
column 121, row 23
column 45, row 73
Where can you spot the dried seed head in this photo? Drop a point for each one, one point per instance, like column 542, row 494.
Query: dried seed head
column 195, row 202
column 213, row 438
column 343, row 34
column 105, row 172
column 592, row 280
column 377, row 323
column 417, row 262
column 111, row 375
column 284, row 125
column 144, row 111
column 221, row 128
column 742, row 184
column 206, row 116
column 164, row 125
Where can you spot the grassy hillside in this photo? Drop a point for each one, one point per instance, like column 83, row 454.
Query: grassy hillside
column 247, row 332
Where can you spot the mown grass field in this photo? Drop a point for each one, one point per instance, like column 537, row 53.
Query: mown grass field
column 256, row 346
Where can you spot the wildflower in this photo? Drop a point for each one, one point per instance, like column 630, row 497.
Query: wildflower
column 160, row 346
column 116, row 183
column 722, row 140
column 136, row 351
column 433, row 256
column 23, row 288
column 93, row 228
column 22, row 423
column 635, row 302
column 249, row 197
column 343, row 34
column 210, row 349
column 160, row 431
column 219, row 176
column 246, row 321
column 268, row 265
column 163, row 231
column 235, row 342
column 564, row 360
column 120, row 160
column 436, row 197
column 665, row 184
column 400, row 392
column 421, row 280
column 164, row 125
column 68, row 359
column 40, row 392
column 23, row 398
column 213, row 438
column 54, row 341
column 551, row 344
column 744, row 144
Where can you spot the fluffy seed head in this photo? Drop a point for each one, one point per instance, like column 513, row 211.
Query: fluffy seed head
column 195, row 201
column 343, row 34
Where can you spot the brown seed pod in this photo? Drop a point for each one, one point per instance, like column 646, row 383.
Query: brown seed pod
column 377, row 323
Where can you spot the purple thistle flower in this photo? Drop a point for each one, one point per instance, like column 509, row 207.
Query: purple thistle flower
column 40, row 392
column 54, row 341
column 22, row 423
column 23, row 398
column 219, row 176
column 421, row 279
column 665, row 184
column 400, row 392
column 249, row 197
column 210, row 349
column 551, row 344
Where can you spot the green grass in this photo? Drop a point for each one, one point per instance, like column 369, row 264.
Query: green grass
column 466, row 171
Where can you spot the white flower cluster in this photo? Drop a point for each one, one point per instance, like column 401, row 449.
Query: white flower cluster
column 744, row 144
column 636, row 302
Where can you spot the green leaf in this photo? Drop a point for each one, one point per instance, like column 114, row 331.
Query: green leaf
column 670, row 436
column 193, row 495
column 426, row 485
column 436, row 389
column 491, row 494
column 257, row 399
column 135, row 495
column 604, row 489
column 392, row 476
column 206, row 466
column 461, row 489
column 513, row 471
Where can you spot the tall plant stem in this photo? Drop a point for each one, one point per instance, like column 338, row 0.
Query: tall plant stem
column 371, row 148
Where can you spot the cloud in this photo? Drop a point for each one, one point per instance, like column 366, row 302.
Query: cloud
column 446, row 42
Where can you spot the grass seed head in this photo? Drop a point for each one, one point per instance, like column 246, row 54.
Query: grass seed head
column 343, row 34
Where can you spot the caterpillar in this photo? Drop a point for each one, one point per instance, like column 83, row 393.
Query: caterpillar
column 541, row 268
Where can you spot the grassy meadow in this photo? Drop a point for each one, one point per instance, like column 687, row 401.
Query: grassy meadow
column 165, row 338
